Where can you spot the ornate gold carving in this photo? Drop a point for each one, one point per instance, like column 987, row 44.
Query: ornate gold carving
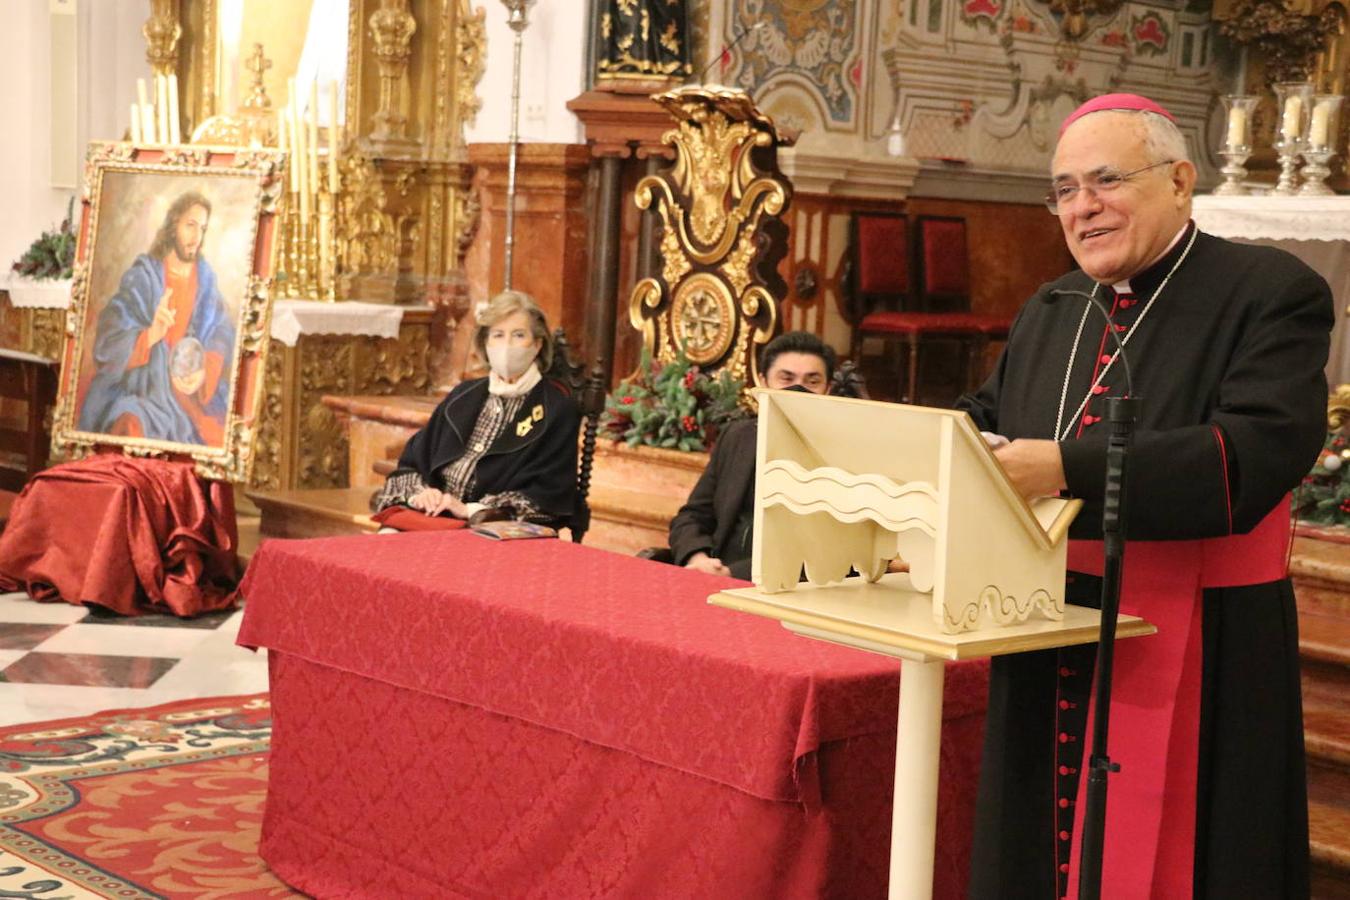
column 268, row 444
column 162, row 31
column 327, row 364
column 1287, row 37
column 468, row 209
column 471, row 57
column 1074, row 14
column 1338, row 408
column 704, row 317
column 391, row 28
column 674, row 263
column 366, row 232
column 48, row 327
column 721, row 205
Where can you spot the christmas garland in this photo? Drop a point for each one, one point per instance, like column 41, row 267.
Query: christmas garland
column 1324, row 496
column 673, row 405
column 53, row 254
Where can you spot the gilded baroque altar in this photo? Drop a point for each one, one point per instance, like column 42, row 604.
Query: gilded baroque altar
column 399, row 207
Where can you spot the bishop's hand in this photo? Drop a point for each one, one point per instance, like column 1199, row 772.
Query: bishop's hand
column 1035, row 467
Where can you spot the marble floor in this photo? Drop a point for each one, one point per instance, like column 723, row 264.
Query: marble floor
column 59, row 660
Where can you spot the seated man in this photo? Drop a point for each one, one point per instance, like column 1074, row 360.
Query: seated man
column 713, row 531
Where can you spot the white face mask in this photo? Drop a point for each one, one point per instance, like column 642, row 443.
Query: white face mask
column 510, row 362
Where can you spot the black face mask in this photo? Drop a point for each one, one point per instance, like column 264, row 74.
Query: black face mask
column 799, row 388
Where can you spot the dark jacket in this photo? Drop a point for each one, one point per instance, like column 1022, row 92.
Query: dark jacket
column 1229, row 364
column 705, row 522
column 536, row 454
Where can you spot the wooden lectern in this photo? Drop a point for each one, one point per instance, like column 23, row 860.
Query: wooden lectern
column 851, row 484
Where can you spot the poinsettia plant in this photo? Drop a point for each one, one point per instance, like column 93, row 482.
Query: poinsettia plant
column 674, row 405
column 52, row 255
column 1324, row 496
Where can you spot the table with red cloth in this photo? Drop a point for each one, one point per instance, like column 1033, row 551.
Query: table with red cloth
column 131, row 535
column 456, row 716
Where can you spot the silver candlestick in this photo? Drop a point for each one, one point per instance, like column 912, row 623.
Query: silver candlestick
column 517, row 12
column 1315, row 171
column 1289, row 149
column 1233, row 171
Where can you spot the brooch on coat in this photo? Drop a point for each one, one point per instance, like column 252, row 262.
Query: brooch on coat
column 524, row 425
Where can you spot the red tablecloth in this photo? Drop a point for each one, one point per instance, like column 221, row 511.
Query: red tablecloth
column 540, row 718
column 132, row 535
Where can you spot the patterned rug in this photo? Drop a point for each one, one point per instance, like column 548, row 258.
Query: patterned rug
column 139, row 803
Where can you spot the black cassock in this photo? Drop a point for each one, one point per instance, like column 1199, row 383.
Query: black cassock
column 1228, row 362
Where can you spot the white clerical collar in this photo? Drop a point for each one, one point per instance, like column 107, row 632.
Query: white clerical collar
column 1123, row 287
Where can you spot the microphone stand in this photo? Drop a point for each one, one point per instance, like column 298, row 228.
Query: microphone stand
column 1122, row 413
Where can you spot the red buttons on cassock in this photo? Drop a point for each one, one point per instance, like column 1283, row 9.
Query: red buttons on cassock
column 1099, row 389
column 1091, row 420
column 1063, row 835
column 1126, row 303
column 1105, row 358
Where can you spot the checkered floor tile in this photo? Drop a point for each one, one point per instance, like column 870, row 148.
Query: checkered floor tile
column 58, row 660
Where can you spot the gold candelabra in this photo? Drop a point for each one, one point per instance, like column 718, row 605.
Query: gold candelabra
column 310, row 249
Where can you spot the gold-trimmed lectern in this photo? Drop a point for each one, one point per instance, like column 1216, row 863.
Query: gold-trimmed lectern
column 846, row 485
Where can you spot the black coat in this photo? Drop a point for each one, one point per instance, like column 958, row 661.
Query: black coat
column 705, row 521
column 1228, row 364
column 536, row 454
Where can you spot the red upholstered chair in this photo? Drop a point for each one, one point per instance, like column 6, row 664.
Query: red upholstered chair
column 936, row 307
column 879, row 279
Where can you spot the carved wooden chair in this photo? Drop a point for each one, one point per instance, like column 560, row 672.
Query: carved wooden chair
column 588, row 392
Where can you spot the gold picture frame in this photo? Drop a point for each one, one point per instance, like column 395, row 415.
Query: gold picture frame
column 167, row 335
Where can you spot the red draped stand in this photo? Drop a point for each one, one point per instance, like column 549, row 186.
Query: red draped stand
column 131, row 535
column 455, row 716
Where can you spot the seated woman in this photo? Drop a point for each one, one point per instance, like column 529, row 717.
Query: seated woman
column 504, row 446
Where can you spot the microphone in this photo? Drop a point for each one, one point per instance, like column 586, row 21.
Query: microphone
column 727, row 49
column 1053, row 296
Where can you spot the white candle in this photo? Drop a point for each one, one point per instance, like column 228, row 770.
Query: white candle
column 143, row 103
column 1321, row 120
column 1237, row 126
column 314, row 136
column 148, row 123
column 135, row 123
column 162, row 109
column 295, row 143
column 281, row 129
column 334, row 138
column 1293, row 112
column 174, row 136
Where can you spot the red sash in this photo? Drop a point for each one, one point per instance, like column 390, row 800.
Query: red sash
column 1155, row 701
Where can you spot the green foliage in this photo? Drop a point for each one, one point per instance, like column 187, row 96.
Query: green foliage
column 1324, row 496
column 53, row 254
column 673, row 405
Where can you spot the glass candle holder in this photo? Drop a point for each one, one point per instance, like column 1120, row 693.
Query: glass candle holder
column 1236, row 147
column 1324, row 124
column 1294, row 101
column 1238, row 112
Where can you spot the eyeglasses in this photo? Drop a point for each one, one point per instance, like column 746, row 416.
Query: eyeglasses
column 1103, row 181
